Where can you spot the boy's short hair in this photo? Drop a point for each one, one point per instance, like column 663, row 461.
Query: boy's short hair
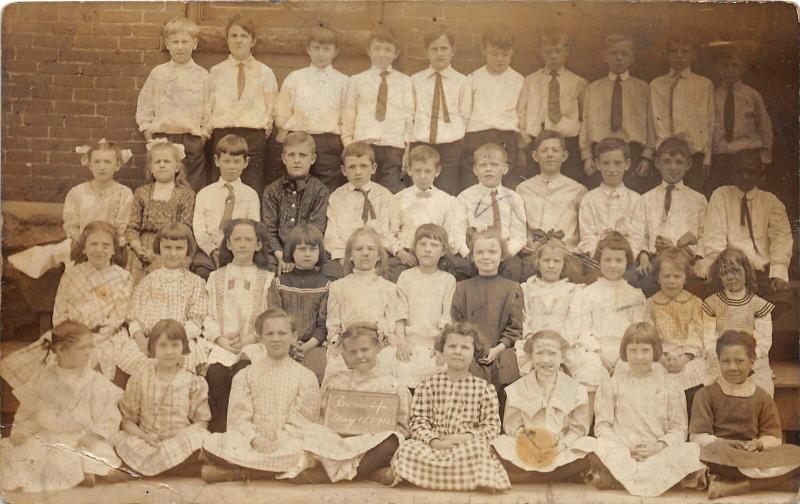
column 175, row 231
column 173, row 330
column 732, row 52
column 297, row 138
column 490, row 148
column 437, row 33
column 613, row 240
column 737, row 338
column 308, row 234
column 424, row 153
column 465, row 329
column 357, row 329
column 728, row 258
column 322, row 35
column 747, row 157
column 498, row 36
column 641, row 333
column 679, row 38
column 680, row 257
column 489, row 234
column 555, row 37
column 674, row 145
column 547, row 135
column 272, row 313
column 245, row 23
column 358, row 149
column 610, row 144
column 386, row 35
column 233, row 145
column 618, row 38
column 180, row 25
column 77, row 253
column 431, row 232
column 545, row 335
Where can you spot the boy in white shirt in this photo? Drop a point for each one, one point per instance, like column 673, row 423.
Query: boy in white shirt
column 379, row 110
column 175, row 101
column 311, row 100
column 218, row 203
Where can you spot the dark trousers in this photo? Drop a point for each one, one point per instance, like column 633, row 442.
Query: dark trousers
column 219, row 380
column 390, row 168
column 450, row 158
column 254, row 174
column 327, row 167
column 195, row 161
column 377, row 457
column 474, row 140
column 572, row 167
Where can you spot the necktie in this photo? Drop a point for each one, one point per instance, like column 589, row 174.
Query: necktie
column 675, row 80
column 368, row 212
column 668, row 199
column 240, row 79
column 495, row 212
column 383, row 93
column 616, row 105
column 438, row 102
column 746, row 220
column 729, row 114
column 230, row 200
column 554, row 99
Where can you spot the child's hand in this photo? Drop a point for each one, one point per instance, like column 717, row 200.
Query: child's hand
column 589, row 167
column 643, row 168
column 263, row 445
column 233, row 345
column 297, row 352
column 457, row 439
column 753, row 445
column 151, row 439
column 645, row 267
column 406, row 258
column 148, row 135
column 778, row 284
column 19, row 436
column 644, row 451
column 404, row 351
column 285, row 267
column 663, row 243
column 441, row 444
column 688, row 238
column 215, row 258
column 491, row 354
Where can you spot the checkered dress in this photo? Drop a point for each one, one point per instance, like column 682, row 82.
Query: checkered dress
column 442, row 406
column 275, row 399
column 161, row 408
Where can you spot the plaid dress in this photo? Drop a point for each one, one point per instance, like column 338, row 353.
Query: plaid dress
column 276, row 399
column 442, row 406
column 163, row 408
column 97, row 298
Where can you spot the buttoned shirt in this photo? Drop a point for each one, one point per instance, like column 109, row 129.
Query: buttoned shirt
column 209, row 207
column 175, row 98
column 255, row 107
column 604, row 209
column 413, row 207
column 358, row 117
column 692, row 110
column 311, row 100
column 287, row 203
column 345, row 207
column 551, row 203
column 752, row 127
column 532, row 106
column 477, row 201
column 457, row 97
column 771, row 230
column 494, row 100
column 686, row 214
column 596, row 122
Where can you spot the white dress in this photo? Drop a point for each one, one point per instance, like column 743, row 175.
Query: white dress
column 635, row 409
column 340, row 455
column 60, row 406
column 565, row 414
column 427, row 299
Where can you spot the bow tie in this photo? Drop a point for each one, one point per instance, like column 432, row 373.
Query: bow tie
column 296, row 184
column 542, row 236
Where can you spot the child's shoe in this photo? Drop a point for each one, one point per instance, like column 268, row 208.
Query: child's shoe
column 212, row 473
column 719, row 487
column 385, row 476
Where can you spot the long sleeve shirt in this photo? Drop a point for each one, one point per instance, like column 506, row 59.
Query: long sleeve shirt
column 358, row 116
column 345, row 208
column 477, row 201
column 604, row 209
column 551, row 203
column 457, row 97
column 752, row 127
column 596, row 121
column 254, row 109
column 287, row 203
column 413, row 207
column 209, row 208
column 494, row 100
column 532, row 106
column 311, row 100
column 175, row 98
column 692, row 110
column 771, row 231
column 686, row 214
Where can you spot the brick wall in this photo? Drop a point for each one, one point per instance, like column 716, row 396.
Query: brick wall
column 71, row 71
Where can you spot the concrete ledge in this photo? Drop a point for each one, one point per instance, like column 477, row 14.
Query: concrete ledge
column 28, row 223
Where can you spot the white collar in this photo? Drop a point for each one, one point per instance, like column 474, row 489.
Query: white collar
column 365, row 187
column 751, row 194
column 328, row 70
column 247, row 61
column 744, row 389
column 444, row 71
column 551, row 178
column 678, row 185
column 683, row 73
column 608, row 191
column 236, row 183
column 623, row 76
column 486, row 190
column 188, row 64
column 378, row 71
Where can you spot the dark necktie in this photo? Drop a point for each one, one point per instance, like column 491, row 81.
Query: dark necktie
column 383, row 93
column 368, row 212
column 668, row 199
column 230, row 200
column 675, row 80
column 729, row 114
column 240, row 79
column 496, row 222
column 746, row 220
column 439, row 102
column 616, row 105
column 554, row 99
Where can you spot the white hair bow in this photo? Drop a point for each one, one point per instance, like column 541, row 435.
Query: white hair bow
column 179, row 147
column 84, row 150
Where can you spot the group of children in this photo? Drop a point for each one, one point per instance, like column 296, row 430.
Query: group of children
column 220, row 315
